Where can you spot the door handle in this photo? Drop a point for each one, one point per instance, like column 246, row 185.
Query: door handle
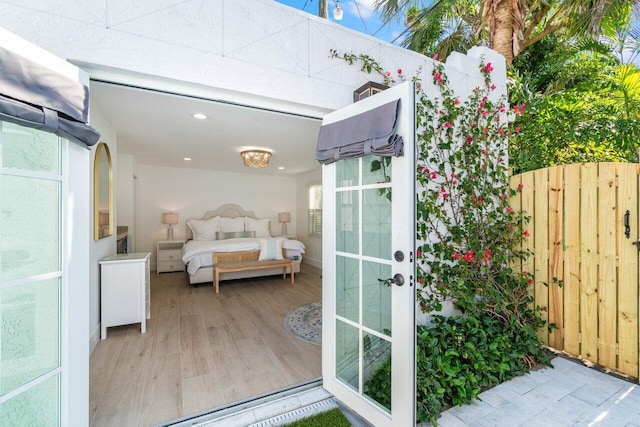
column 397, row 279
column 627, row 227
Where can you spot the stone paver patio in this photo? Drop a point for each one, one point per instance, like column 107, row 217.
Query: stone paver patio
column 569, row 395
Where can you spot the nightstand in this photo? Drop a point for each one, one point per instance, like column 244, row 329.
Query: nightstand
column 169, row 256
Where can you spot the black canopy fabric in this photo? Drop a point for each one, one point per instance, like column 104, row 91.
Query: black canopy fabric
column 372, row 132
column 34, row 96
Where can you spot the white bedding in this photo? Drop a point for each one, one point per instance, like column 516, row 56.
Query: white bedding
column 198, row 253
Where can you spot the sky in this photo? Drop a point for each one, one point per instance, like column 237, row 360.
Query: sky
column 358, row 14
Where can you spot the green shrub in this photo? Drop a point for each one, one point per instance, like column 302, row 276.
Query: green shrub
column 458, row 357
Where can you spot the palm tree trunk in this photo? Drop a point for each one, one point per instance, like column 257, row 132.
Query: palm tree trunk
column 323, row 8
column 499, row 14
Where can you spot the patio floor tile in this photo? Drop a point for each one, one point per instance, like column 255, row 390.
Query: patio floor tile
column 596, row 391
column 509, row 415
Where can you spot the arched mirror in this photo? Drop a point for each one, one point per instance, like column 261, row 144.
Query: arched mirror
column 103, row 193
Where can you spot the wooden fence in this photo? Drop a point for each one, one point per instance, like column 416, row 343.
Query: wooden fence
column 577, row 234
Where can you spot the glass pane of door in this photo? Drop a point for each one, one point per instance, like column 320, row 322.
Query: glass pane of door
column 30, row 276
column 363, row 263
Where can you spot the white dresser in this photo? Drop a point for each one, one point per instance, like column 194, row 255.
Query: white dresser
column 169, row 253
column 125, row 291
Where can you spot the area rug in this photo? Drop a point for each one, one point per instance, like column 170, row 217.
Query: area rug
column 305, row 323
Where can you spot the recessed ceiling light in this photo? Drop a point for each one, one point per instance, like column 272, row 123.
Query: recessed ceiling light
column 280, row 167
column 187, row 158
column 199, row 116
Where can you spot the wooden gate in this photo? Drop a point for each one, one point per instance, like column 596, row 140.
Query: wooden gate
column 583, row 230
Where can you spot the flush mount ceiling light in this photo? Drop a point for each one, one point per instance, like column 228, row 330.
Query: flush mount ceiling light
column 256, row 158
column 199, row 116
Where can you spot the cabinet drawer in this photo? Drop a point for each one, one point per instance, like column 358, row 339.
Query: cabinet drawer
column 170, row 255
column 165, row 266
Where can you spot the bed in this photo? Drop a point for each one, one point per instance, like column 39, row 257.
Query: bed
column 230, row 228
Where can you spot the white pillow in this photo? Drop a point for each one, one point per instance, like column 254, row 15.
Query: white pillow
column 204, row 230
column 228, row 225
column 260, row 226
column 271, row 249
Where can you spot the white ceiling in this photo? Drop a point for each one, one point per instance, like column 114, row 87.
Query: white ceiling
column 158, row 129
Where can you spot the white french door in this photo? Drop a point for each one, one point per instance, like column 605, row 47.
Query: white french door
column 44, row 269
column 368, row 354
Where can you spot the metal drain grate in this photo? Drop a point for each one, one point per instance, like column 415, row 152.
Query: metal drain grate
column 296, row 414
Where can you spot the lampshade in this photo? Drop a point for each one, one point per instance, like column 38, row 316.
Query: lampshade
column 256, row 158
column 284, row 217
column 170, row 218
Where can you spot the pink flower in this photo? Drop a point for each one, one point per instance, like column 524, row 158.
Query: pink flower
column 399, row 70
column 544, row 309
column 456, row 102
column 485, row 130
column 500, row 160
column 454, row 182
column 436, row 56
column 438, row 77
column 517, row 129
column 520, row 187
column 524, row 274
column 468, row 256
column 469, row 139
column 501, row 131
column 487, row 255
column 456, row 255
column 388, row 74
column 418, row 85
column 485, row 114
column 447, row 125
column 509, row 209
column 493, row 87
column 502, row 109
column 488, row 68
column 418, row 252
column 526, row 233
column 483, row 166
column 434, row 175
column 483, row 152
column 530, row 281
column 453, row 175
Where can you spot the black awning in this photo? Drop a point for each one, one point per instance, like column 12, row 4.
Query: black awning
column 34, row 96
column 372, row 132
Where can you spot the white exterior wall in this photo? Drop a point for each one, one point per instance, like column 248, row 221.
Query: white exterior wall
column 252, row 51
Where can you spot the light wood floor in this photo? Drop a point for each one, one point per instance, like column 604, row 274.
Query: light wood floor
column 202, row 350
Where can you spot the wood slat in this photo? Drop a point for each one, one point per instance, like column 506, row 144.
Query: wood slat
column 540, row 238
column 527, row 209
column 589, row 262
column 515, row 201
column 571, row 274
column 556, row 261
column 607, row 295
column 627, row 315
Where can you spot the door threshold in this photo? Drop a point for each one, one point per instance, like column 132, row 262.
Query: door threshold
column 259, row 408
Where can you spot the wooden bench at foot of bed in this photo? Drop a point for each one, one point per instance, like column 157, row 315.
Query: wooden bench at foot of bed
column 225, row 262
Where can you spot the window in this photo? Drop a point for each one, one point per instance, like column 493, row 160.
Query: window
column 315, row 210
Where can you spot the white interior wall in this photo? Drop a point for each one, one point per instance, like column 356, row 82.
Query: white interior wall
column 313, row 244
column 191, row 193
column 105, row 246
column 125, row 195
